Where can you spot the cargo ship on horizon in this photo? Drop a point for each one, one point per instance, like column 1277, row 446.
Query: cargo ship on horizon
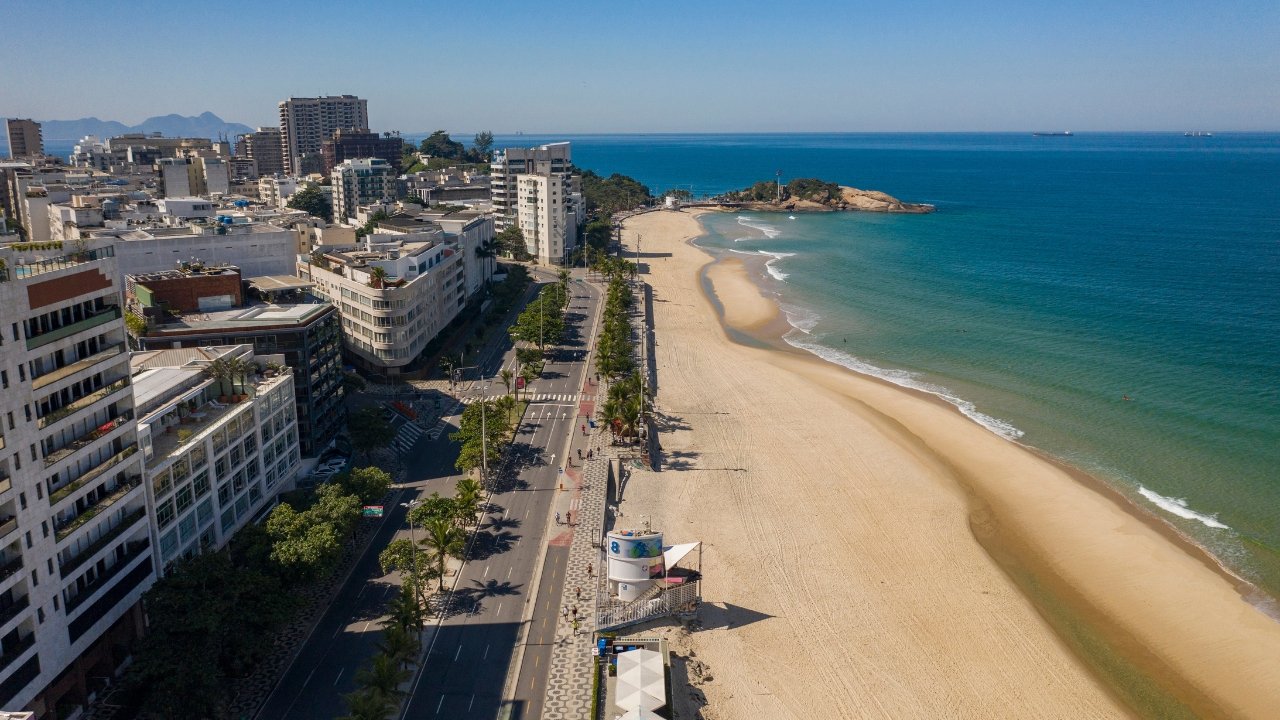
column 1064, row 133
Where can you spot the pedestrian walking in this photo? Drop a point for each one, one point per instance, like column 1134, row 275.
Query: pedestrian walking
column 579, row 453
column 589, row 453
column 575, row 612
column 557, row 518
column 568, row 517
column 575, row 626
column 577, row 591
column 590, row 573
column 565, row 612
column 584, row 428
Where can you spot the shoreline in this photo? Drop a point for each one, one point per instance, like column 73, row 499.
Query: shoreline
column 772, row 334
column 1079, row 560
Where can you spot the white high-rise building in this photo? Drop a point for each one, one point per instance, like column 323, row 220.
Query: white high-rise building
column 536, row 190
column 305, row 123
column 75, row 546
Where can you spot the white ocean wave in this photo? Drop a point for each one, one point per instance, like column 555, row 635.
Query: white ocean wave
column 768, row 230
column 908, row 380
column 1178, row 506
column 802, row 319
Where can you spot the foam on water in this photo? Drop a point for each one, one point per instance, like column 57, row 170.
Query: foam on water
column 1178, row 506
column 802, row 319
column 907, row 380
column 769, row 231
column 774, row 257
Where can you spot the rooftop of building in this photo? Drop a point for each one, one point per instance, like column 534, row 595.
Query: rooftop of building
column 186, row 270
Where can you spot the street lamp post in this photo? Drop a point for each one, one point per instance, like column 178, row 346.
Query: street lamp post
column 413, row 555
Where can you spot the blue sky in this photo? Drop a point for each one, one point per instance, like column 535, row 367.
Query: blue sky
column 658, row 67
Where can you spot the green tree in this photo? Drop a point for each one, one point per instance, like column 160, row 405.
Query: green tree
column 481, row 428
column 404, row 612
column 368, row 430
column 367, row 483
column 467, row 497
column 443, row 540
column 482, row 144
column 439, row 144
column 383, row 675
column 508, row 378
column 606, row 196
column 598, row 233
column 135, row 324
column 312, row 201
column 366, row 704
column 511, row 242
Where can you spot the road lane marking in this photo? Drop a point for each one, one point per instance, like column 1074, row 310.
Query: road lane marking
column 308, row 680
column 335, row 680
column 495, row 612
column 508, row 574
column 455, row 655
column 473, row 702
column 486, row 653
column 486, row 572
column 439, row 704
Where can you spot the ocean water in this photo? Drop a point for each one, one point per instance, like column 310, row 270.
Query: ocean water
column 1059, row 277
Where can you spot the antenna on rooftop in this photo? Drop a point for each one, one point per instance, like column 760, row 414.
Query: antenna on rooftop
column 778, row 183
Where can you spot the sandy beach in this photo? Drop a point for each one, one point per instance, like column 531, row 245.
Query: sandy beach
column 871, row 552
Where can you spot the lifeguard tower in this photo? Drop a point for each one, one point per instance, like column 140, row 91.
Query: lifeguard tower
column 645, row 579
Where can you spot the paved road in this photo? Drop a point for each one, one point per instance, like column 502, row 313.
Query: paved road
column 481, row 634
column 474, row 647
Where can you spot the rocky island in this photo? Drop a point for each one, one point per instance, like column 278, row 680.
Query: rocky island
column 811, row 194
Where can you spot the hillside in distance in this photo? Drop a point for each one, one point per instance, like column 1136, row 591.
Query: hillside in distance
column 204, row 125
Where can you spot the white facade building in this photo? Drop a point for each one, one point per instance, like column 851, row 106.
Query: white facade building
column 256, row 248
column 75, row 550
column 214, row 457
column 535, row 190
column 360, row 182
column 387, row 322
column 276, row 191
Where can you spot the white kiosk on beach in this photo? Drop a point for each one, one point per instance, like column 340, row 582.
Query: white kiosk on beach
column 635, row 562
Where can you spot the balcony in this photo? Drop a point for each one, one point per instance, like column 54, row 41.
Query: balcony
column 86, row 440
column 48, row 265
column 62, row 531
column 84, row 402
column 100, row 318
column 75, row 367
column 13, row 610
column 94, row 473
column 132, row 552
column 8, row 569
column 127, row 522
column 16, row 650
column 7, row 527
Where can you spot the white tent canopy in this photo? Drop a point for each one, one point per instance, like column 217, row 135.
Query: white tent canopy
column 676, row 553
column 641, row 681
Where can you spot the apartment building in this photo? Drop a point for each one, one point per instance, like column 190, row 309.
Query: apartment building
column 256, row 248
column 305, row 123
column 360, row 182
column 352, row 144
column 535, row 189
column 75, row 550
column 275, row 191
column 25, row 138
column 280, row 318
column 395, row 293
column 216, row 451
column 264, row 147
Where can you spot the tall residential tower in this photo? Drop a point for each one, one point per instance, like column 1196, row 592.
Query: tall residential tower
column 305, row 123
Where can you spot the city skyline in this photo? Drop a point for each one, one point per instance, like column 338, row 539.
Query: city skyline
column 747, row 67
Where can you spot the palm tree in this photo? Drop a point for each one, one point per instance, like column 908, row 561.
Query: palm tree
column 383, row 675
column 399, row 644
column 405, row 611
column 220, row 369
column 467, row 499
column 377, row 276
column 528, row 374
column 508, row 378
column 366, row 704
column 443, row 540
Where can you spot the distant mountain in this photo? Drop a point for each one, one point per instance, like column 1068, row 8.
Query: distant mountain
column 204, row 125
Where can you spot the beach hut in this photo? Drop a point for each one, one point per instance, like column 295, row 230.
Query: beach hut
column 641, row 681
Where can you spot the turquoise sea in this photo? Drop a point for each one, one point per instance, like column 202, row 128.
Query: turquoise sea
column 1058, row 277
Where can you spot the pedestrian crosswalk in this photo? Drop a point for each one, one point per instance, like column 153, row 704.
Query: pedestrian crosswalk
column 544, row 397
column 406, row 437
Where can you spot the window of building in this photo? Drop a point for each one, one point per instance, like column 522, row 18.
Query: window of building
column 162, row 482
column 164, row 513
column 200, row 485
column 228, row 519
column 198, row 456
column 169, row 544
column 187, row 527
column 224, row 494
column 183, row 498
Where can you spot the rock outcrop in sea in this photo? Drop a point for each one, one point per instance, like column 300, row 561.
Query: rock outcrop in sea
column 812, row 195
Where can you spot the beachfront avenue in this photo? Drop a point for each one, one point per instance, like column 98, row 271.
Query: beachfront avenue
column 490, row 652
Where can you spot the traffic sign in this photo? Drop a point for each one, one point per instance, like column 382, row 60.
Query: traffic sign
column 371, row 511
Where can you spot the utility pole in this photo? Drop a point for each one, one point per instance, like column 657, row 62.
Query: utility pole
column 413, row 557
column 484, row 442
